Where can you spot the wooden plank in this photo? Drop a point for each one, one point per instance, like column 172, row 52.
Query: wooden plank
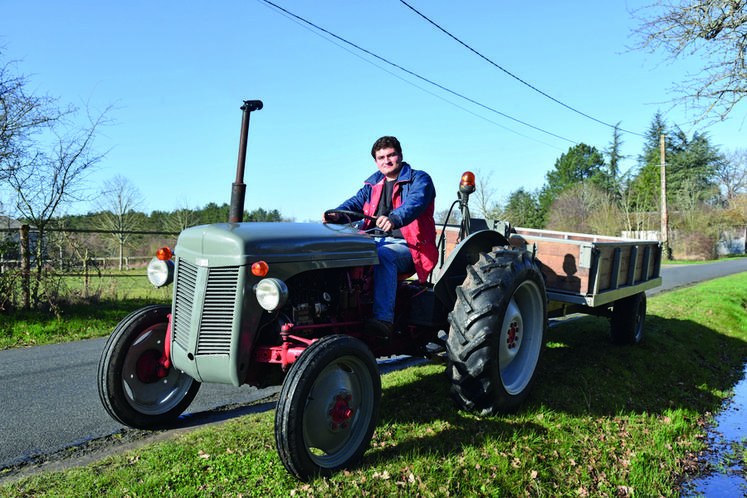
column 585, row 265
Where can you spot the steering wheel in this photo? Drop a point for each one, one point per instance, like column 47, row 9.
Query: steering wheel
column 349, row 215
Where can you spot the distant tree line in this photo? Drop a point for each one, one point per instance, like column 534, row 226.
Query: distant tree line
column 586, row 192
column 165, row 221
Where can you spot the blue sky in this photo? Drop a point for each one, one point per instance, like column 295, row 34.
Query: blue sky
column 176, row 74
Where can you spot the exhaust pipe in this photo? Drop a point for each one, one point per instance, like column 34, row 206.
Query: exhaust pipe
column 238, row 190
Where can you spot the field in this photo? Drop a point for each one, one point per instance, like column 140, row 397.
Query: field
column 602, row 421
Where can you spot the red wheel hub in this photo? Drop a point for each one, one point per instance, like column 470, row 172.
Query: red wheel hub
column 513, row 334
column 149, row 367
column 341, row 412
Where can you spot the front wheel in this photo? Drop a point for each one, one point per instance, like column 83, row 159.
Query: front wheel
column 497, row 332
column 328, row 407
column 133, row 386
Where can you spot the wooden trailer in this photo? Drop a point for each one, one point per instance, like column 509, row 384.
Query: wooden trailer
column 590, row 271
column 595, row 275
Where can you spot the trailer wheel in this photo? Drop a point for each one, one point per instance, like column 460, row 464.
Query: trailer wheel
column 328, row 407
column 133, row 386
column 497, row 332
column 628, row 317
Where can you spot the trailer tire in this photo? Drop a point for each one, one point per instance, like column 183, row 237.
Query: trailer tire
column 497, row 331
column 130, row 386
column 328, row 407
column 628, row 318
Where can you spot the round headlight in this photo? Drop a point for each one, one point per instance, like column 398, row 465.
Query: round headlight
column 271, row 293
column 160, row 272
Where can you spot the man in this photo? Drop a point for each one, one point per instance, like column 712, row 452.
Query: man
column 402, row 201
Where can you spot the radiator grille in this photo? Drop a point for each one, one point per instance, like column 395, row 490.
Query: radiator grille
column 218, row 311
column 185, row 286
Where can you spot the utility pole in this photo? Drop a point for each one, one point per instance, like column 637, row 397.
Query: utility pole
column 664, row 213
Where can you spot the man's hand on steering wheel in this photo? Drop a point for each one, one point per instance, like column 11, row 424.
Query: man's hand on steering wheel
column 344, row 216
column 384, row 223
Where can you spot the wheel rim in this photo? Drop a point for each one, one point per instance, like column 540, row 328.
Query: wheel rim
column 338, row 412
column 521, row 337
column 146, row 390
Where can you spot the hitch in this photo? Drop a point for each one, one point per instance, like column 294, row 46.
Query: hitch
column 238, row 190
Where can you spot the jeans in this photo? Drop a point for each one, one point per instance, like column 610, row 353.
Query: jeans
column 394, row 258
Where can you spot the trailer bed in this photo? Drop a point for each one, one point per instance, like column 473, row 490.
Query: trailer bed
column 592, row 270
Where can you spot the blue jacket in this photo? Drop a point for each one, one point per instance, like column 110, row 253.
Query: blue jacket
column 413, row 201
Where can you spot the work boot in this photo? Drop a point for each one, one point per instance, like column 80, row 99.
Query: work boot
column 378, row 328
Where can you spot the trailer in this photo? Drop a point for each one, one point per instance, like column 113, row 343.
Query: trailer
column 590, row 274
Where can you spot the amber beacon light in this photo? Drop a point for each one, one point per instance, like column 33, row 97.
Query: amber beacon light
column 467, row 185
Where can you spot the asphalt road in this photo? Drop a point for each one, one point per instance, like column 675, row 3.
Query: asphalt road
column 49, row 400
column 674, row 276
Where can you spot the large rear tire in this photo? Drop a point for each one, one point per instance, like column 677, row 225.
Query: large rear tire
column 497, row 331
column 328, row 407
column 133, row 386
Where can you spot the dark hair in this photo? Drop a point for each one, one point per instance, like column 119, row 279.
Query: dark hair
column 385, row 143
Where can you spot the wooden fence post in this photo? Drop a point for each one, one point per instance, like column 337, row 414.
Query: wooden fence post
column 85, row 274
column 25, row 267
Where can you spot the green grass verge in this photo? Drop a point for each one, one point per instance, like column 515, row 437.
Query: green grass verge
column 601, row 421
column 89, row 311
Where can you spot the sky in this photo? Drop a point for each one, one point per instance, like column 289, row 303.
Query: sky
column 175, row 74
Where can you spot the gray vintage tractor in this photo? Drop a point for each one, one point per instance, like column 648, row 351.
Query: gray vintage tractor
column 284, row 303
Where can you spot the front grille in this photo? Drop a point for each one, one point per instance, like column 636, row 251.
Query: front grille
column 218, row 311
column 215, row 312
column 184, row 288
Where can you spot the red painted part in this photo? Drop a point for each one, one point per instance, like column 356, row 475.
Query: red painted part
column 285, row 354
column 513, row 333
column 341, row 411
column 278, row 354
column 331, row 326
column 148, row 366
column 166, row 357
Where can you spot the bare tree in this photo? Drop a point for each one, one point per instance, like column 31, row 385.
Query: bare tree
column 484, row 196
column 182, row 218
column 585, row 208
column 22, row 116
column 732, row 174
column 50, row 175
column 714, row 30
column 119, row 203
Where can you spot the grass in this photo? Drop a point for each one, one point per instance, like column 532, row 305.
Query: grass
column 601, row 421
column 110, row 297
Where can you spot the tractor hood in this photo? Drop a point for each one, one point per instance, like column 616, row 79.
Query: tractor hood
column 237, row 244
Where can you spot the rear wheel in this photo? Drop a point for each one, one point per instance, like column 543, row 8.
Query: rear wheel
column 328, row 407
column 497, row 332
column 628, row 318
column 134, row 387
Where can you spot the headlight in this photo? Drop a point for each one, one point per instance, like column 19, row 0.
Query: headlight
column 160, row 273
column 271, row 293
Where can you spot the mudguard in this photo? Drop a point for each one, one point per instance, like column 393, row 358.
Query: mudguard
column 466, row 253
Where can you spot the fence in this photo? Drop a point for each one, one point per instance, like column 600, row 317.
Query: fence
column 70, row 255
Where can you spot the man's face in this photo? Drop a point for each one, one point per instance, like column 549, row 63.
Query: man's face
column 389, row 162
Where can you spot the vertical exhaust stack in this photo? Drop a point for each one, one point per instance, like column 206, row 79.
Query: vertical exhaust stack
column 238, row 190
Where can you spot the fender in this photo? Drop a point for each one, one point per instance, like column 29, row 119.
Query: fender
column 465, row 254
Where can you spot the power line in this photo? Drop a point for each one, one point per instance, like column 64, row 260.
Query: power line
column 411, row 73
column 511, row 74
column 413, row 83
